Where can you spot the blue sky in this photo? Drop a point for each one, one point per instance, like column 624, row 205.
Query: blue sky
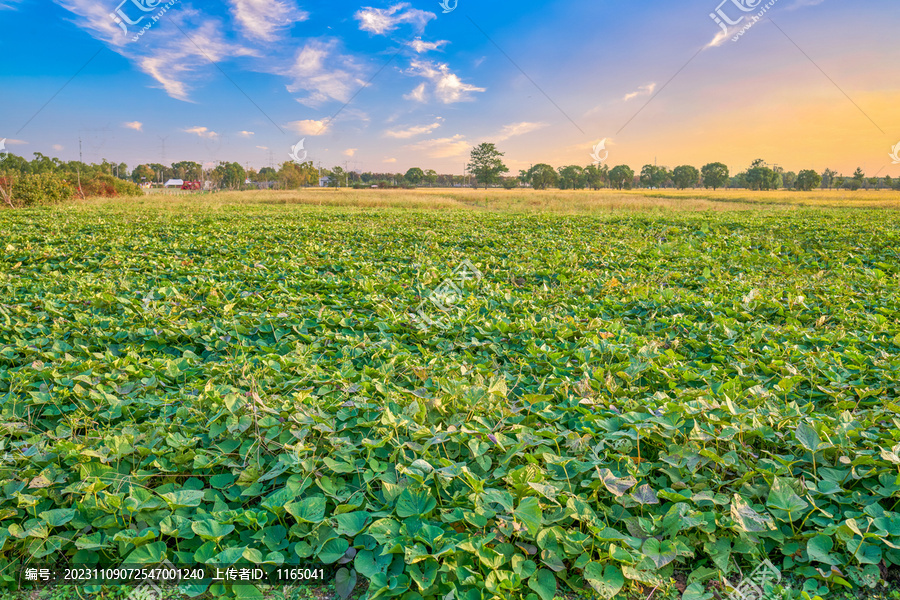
column 812, row 84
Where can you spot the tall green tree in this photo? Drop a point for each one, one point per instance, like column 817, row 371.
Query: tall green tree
column 596, row 177
column 653, row 176
column 229, row 175
column 486, row 164
column 187, row 170
column 621, row 177
column 415, row 176
column 808, row 180
column 715, row 175
column 761, row 177
column 541, row 176
column 143, row 173
column 571, row 178
column 789, row 180
column 685, row 176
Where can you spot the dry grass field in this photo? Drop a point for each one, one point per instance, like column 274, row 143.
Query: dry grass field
column 549, row 201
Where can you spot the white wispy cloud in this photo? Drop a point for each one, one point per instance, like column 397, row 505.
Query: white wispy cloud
column 266, row 19
column 448, row 87
column 57, row 147
column 263, row 147
column 136, row 125
column 390, row 160
column 165, row 54
column 203, row 132
column 419, row 46
column 351, row 152
column 246, row 134
column 723, row 36
column 9, row 4
column 384, row 20
column 323, row 73
column 644, row 90
column 417, row 95
column 515, row 129
column 443, row 147
column 405, row 134
column 308, row 127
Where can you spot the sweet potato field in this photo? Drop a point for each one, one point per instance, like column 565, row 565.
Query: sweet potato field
column 613, row 403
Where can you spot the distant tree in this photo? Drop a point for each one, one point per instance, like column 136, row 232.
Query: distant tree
column 571, row 178
column 859, row 178
column 715, row 175
column 621, row 176
column 653, row 176
column 541, row 176
column 596, row 177
column 839, row 181
column 808, row 180
column 415, row 176
column 888, row 182
column 163, row 173
column 268, row 174
column 486, row 164
column 122, row 171
column 828, row 178
column 685, row 176
column 874, row 181
column 187, row 170
column 431, row 177
column 143, row 173
column 509, row 183
column 337, row 177
column 739, row 181
column 761, row 177
column 230, row 175
column 789, row 180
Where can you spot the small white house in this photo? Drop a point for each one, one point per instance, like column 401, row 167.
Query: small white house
column 174, row 183
column 324, row 181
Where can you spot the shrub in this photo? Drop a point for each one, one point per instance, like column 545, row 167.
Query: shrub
column 31, row 190
column 109, row 187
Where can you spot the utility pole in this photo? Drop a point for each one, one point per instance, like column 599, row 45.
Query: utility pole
column 80, row 160
column 163, row 155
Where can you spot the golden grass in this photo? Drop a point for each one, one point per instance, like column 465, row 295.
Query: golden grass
column 526, row 200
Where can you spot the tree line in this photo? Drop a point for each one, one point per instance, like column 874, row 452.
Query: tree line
column 487, row 165
column 485, row 168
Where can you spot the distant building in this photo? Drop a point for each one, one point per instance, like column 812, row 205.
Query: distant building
column 324, row 181
column 174, row 183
